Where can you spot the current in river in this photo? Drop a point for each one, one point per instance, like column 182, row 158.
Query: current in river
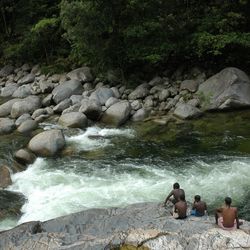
column 109, row 167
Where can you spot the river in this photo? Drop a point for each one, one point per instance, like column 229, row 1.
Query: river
column 104, row 167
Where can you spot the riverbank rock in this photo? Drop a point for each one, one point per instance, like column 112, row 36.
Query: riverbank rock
column 187, row 111
column 27, row 126
column 138, row 226
column 24, row 156
column 47, row 143
column 10, row 205
column 26, row 105
column 6, row 107
column 73, row 120
column 5, row 179
column 6, row 70
column 9, row 90
column 66, row 90
column 91, row 108
column 6, row 126
column 229, row 89
column 81, row 74
column 117, row 114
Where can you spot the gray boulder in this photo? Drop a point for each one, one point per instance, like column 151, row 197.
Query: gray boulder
column 60, row 107
column 9, row 90
column 22, row 91
column 139, row 115
column 6, row 126
column 47, row 100
column 229, row 89
column 111, row 101
column 73, row 120
column 27, row 126
column 22, row 118
column 190, row 85
column 140, row 92
column 73, row 108
column 24, row 156
column 26, row 105
column 76, row 99
column 164, row 94
column 136, row 104
column 38, row 112
column 156, row 81
column 91, row 108
column 47, row 143
column 117, row 114
column 186, row 111
column 67, row 89
column 81, row 74
column 29, row 78
column 6, row 107
column 6, row 70
column 139, row 226
column 5, row 179
column 102, row 95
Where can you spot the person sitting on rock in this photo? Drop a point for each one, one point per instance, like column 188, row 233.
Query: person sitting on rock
column 226, row 217
column 176, row 193
column 199, row 207
column 180, row 208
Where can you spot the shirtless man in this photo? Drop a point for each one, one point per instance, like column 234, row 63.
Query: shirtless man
column 199, row 207
column 180, row 208
column 176, row 193
column 227, row 217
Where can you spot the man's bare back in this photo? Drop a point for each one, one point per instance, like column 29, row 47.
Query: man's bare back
column 177, row 192
column 229, row 215
column 181, row 209
column 200, row 207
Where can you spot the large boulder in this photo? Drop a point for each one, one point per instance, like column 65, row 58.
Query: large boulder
column 6, row 107
column 27, row 126
column 47, row 143
column 117, row 114
column 139, row 226
column 26, row 105
column 102, row 95
column 5, row 179
column 24, row 156
column 60, row 107
column 139, row 115
column 91, row 108
column 22, row 91
column 10, row 206
column 190, row 85
column 81, row 74
column 140, row 92
column 187, row 111
column 73, row 120
column 9, row 90
column 66, row 90
column 228, row 89
column 6, row 126
column 29, row 78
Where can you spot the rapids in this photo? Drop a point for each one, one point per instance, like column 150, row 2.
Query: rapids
column 104, row 167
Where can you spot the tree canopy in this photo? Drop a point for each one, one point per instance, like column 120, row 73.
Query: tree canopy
column 130, row 35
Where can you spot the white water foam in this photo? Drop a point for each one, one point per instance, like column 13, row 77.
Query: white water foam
column 95, row 137
column 54, row 193
column 51, row 193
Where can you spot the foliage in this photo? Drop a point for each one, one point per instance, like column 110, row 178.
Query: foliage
column 135, row 36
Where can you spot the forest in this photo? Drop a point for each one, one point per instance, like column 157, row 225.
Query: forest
column 131, row 36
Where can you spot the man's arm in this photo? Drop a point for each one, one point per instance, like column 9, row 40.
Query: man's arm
column 166, row 200
column 237, row 218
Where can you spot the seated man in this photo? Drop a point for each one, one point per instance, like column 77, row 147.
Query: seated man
column 227, row 217
column 199, row 207
column 180, row 208
column 176, row 193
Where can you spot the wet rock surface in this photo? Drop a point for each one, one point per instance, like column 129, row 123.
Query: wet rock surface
column 138, row 226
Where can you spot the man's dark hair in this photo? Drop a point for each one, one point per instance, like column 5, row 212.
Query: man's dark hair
column 176, row 185
column 182, row 197
column 228, row 201
column 197, row 198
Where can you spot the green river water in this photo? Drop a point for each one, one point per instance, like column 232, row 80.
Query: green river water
column 104, row 167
